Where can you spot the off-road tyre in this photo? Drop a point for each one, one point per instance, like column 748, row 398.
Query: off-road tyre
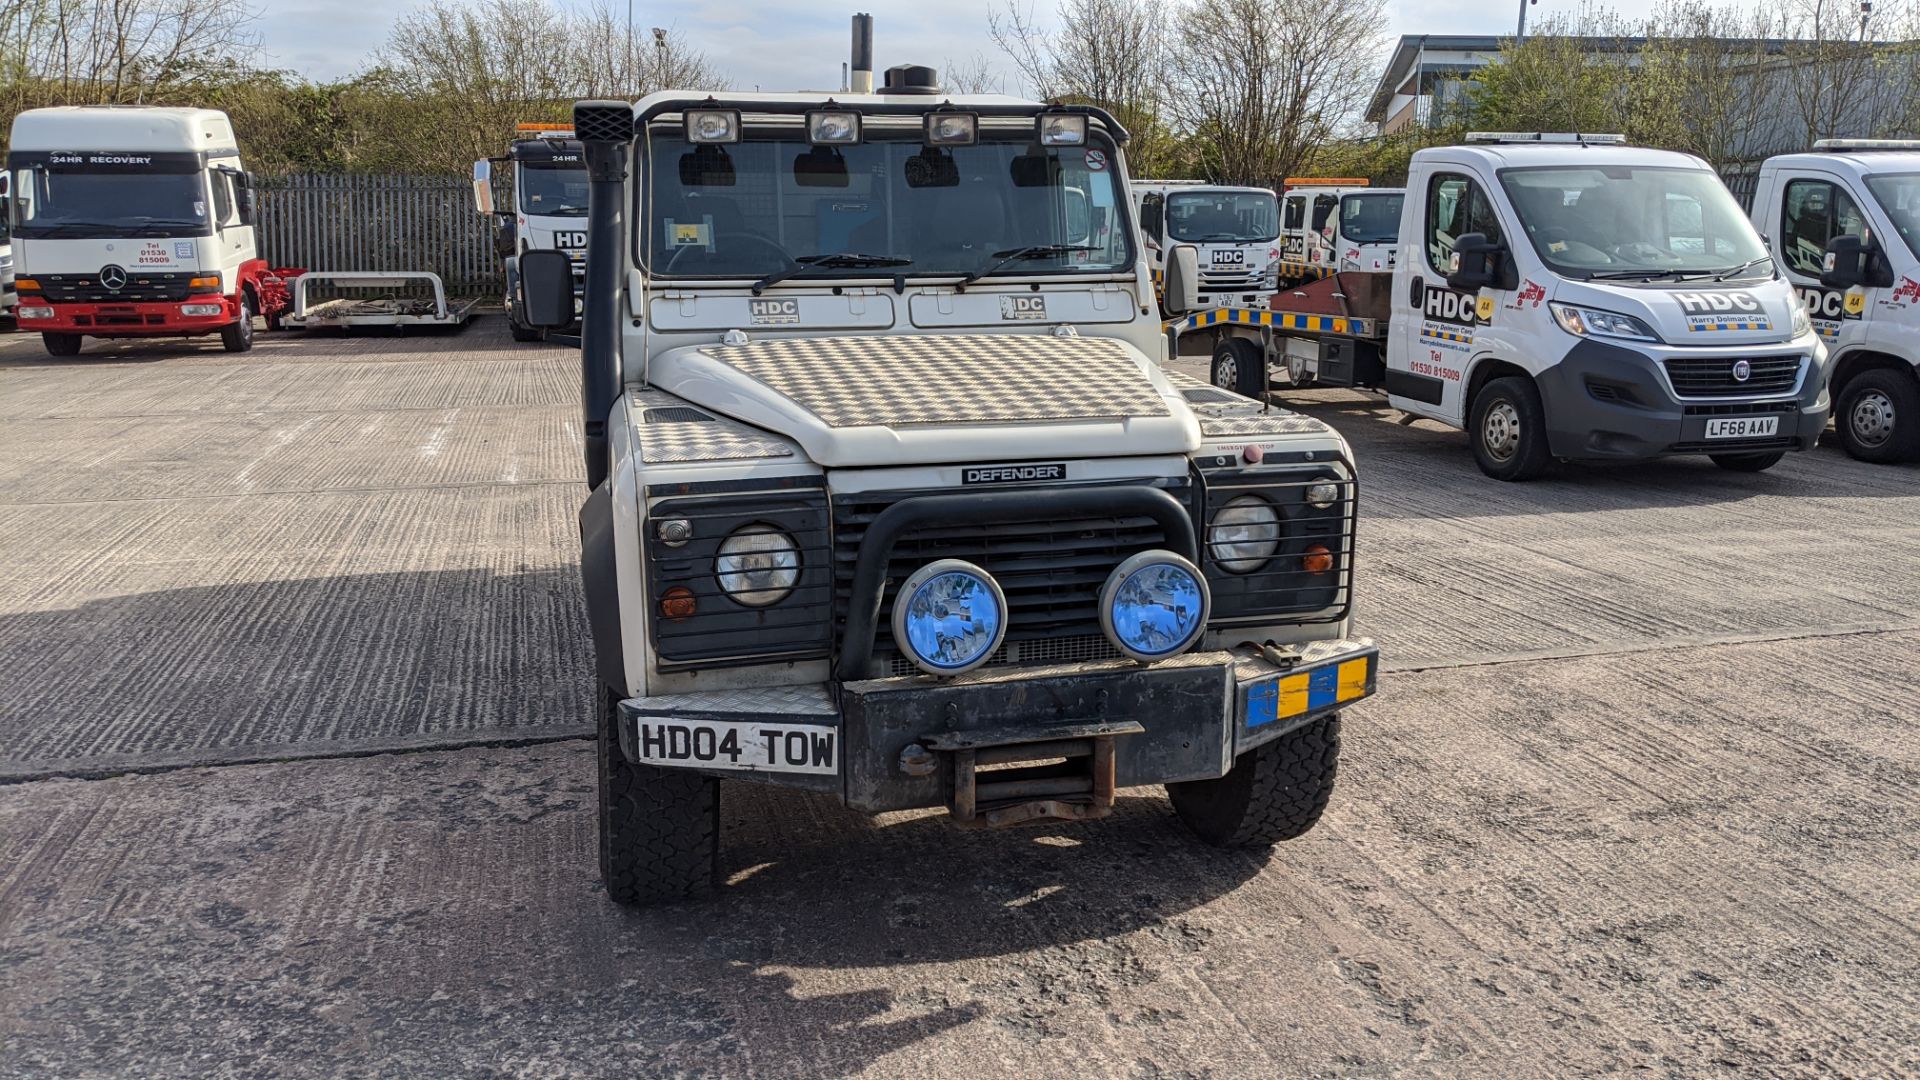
column 1515, row 448
column 659, row 828
column 1898, row 433
column 1274, row 792
column 237, row 336
column 61, row 344
column 1748, row 462
column 1239, row 367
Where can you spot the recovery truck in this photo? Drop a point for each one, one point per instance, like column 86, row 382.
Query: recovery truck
column 1234, row 230
column 1558, row 297
column 7, row 295
column 546, row 209
column 890, row 499
column 1330, row 224
column 135, row 221
column 1845, row 224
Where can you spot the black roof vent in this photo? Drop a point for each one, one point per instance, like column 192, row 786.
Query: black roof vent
column 911, row 79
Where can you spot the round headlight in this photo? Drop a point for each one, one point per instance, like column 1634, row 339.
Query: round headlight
column 1154, row 605
column 757, row 565
column 949, row 617
column 1323, row 493
column 1244, row 534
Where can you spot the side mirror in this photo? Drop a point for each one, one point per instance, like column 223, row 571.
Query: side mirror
column 506, row 237
column 1182, row 283
column 546, row 285
column 1476, row 263
column 1854, row 261
column 483, row 186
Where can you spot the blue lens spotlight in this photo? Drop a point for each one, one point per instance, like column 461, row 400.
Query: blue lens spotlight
column 1154, row 606
column 949, row 617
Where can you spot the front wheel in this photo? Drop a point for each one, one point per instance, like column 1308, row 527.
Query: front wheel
column 1878, row 415
column 237, row 336
column 1748, row 462
column 1239, row 367
column 1508, row 427
column 659, row 828
column 1274, row 792
column 59, row 344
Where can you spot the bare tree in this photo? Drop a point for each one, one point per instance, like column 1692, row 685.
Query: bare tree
column 1260, row 83
column 622, row 60
column 1110, row 53
column 55, row 52
column 974, row 75
column 1700, row 82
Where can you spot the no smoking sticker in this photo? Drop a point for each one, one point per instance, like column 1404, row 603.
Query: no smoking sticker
column 1097, row 160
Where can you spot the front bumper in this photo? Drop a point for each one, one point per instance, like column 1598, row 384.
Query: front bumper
column 878, row 744
column 143, row 319
column 1610, row 402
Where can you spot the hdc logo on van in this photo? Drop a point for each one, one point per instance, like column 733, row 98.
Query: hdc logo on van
column 1023, row 308
column 773, row 312
column 1728, row 310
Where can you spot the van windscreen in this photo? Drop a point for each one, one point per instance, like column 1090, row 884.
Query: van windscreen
column 1633, row 222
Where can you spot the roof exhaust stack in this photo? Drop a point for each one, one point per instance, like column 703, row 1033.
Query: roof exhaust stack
column 862, row 54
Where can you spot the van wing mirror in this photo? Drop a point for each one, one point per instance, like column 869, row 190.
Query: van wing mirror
column 483, row 186
column 1853, row 261
column 1476, row 263
column 1182, row 282
column 546, row 288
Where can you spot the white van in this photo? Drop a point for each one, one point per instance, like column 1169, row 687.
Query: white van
column 1559, row 297
column 1845, row 225
column 1234, row 229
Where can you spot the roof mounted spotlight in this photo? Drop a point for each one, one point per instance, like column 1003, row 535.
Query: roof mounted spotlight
column 713, row 125
column 952, row 128
column 1061, row 129
column 833, row 126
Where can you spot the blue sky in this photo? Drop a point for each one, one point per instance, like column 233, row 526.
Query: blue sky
column 786, row 45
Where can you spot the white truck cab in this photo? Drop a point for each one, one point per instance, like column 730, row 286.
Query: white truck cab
column 134, row 221
column 1234, row 230
column 1559, row 297
column 891, row 500
column 546, row 211
column 1844, row 222
column 7, row 296
column 1328, row 224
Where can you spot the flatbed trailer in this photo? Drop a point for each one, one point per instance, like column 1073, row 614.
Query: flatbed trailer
column 399, row 312
column 1329, row 332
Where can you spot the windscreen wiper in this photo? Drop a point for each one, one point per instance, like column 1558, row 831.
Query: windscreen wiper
column 56, row 228
column 838, row 260
column 1014, row 255
column 1637, row 275
column 1744, row 267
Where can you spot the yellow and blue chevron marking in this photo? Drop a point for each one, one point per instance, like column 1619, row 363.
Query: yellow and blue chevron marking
column 1308, row 691
column 1446, row 335
column 1290, row 269
column 1737, row 324
column 1279, row 320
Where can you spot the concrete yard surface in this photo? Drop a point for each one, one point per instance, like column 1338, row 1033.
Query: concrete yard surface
column 293, row 778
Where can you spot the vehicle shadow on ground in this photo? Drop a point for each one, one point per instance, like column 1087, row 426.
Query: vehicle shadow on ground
column 480, row 334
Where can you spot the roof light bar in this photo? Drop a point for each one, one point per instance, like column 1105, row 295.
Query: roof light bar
column 1849, row 145
column 1325, row 181
column 546, row 131
column 1568, row 138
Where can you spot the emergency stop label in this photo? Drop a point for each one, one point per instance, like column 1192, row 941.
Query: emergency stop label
column 1727, row 310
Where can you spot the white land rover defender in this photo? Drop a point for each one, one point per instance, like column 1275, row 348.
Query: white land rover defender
column 891, row 500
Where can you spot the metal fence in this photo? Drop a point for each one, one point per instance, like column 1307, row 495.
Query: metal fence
column 379, row 222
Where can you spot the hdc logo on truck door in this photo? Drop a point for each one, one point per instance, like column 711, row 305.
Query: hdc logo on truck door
column 1448, row 317
column 1829, row 307
column 570, row 239
column 1728, row 310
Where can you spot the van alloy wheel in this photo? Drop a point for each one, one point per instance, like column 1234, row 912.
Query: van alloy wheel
column 1872, row 419
column 1500, row 431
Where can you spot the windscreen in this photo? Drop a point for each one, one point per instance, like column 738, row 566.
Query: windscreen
column 773, row 202
column 1627, row 222
column 1371, row 219
column 1899, row 196
column 1223, row 216
column 553, row 190
column 58, row 204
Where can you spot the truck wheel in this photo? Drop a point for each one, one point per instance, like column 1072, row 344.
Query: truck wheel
column 1297, row 372
column 1239, row 367
column 1878, row 415
column 659, row 828
column 61, row 344
column 237, row 336
column 1509, row 430
column 1748, row 462
column 1274, row 792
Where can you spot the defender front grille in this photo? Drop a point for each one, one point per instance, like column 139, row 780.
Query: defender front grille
column 1703, row 376
column 1051, row 572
